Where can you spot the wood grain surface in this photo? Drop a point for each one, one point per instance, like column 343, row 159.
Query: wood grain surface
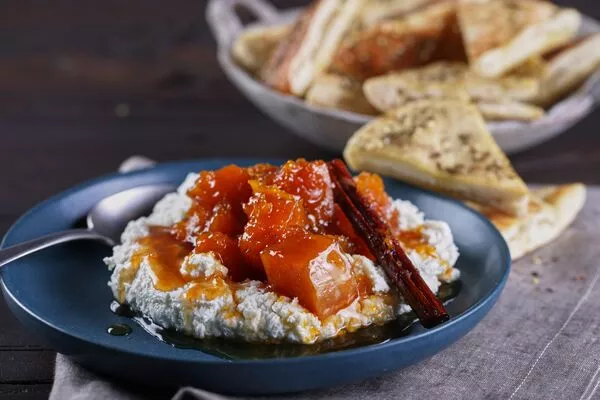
column 84, row 85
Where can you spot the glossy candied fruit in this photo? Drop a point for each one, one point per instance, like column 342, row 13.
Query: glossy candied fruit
column 227, row 218
column 372, row 189
column 312, row 268
column 271, row 213
column 264, row 173
column 350, row 241
column 312, row 183
column 228, row 184
column 226, row 249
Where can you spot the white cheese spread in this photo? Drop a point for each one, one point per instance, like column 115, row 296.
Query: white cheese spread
column 248, row 310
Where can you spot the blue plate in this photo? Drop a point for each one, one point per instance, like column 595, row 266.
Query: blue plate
column 61, row 294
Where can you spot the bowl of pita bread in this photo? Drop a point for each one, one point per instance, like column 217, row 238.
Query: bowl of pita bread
column 529, row 67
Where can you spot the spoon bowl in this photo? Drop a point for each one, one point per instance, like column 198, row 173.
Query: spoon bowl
column 105, row 222
column 111, row 215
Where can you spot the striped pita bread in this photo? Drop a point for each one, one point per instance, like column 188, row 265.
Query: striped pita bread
column 568, row 69
column 551, row 210
column 339, row 92
column 254, row 46
column 442, row 145
column 500, row 35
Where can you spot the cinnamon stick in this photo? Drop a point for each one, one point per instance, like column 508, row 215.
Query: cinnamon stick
column 386, row 249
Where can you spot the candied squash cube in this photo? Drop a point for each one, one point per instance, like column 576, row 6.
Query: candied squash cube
column 371, row 188
column 312, row 183
column 225, row 248
column 227, row 219
column 228, row 184
column 312, row 268
column 353, row 243
column 264, row 173
column 271, row 213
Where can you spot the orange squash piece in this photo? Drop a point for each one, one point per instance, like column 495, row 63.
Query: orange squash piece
column 310, row 181
column 229, row 184
column 271, row 213
column 311, row 267
column 371, row 188
column 226, row 249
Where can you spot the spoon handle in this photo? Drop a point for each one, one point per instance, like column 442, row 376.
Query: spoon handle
column 20, row 250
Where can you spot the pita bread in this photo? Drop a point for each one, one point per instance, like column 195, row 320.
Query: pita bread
column 309, row 48
column 442, row 145
column 379, row 10
column 391, row 91
column 254, row 46
column 551, row 210
column 415, row 40
column 500, row 35
column 569, row 68
column 339, row 92
column 450, row 80
column 509, row 111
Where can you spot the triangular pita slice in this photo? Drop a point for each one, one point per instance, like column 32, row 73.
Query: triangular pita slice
column 416, row 40
column 307, row 51
column 393, row 90
column 378, row 10
column 451, row 80
column 254, row 46
column 339, row 92
column 442, row 145
column 499, row 35
column 551, row 210
column 569, row 68
column 509, row 111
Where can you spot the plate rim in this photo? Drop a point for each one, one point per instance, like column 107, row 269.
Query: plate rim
column 490, row 297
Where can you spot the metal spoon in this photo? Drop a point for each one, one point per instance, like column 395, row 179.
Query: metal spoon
column 105, row 221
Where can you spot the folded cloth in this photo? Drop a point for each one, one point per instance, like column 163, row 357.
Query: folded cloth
column 539, row 342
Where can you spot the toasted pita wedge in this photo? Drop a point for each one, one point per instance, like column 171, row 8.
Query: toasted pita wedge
column 441, row 145
column 416, row 40
column 569, row 68
column 519, row 85
column 566, row 200
column 339, row 92
column 254, row 46
column 500, row 35
column 509, row 111
column 551, row 210
column 379, row 10
column 391, row 91
column 454, row 81
column 308, row 49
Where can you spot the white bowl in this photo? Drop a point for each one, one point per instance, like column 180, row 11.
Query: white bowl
column 331, row 129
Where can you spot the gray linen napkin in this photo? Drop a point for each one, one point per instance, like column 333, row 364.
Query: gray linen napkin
column 539, row 342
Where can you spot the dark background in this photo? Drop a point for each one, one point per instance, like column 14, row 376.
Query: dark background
column 69, row 68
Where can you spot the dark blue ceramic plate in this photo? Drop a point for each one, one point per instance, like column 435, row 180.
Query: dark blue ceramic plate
column 61, row 294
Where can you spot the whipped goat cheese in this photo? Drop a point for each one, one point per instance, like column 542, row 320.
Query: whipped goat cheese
column 249, row 310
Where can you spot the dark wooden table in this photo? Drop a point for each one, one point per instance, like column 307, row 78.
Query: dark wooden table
column 84, row 85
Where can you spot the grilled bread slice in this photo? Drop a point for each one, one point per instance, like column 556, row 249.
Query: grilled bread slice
column 569, row 68
column 252, row 48
column 499, row 35
column 393, row 90
column 379, row 10
column 412, row 41
column 339, row 92
column 309, row 47
column 551, row 210
column 452, row 81
column 442, row 145
column 509, row 111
